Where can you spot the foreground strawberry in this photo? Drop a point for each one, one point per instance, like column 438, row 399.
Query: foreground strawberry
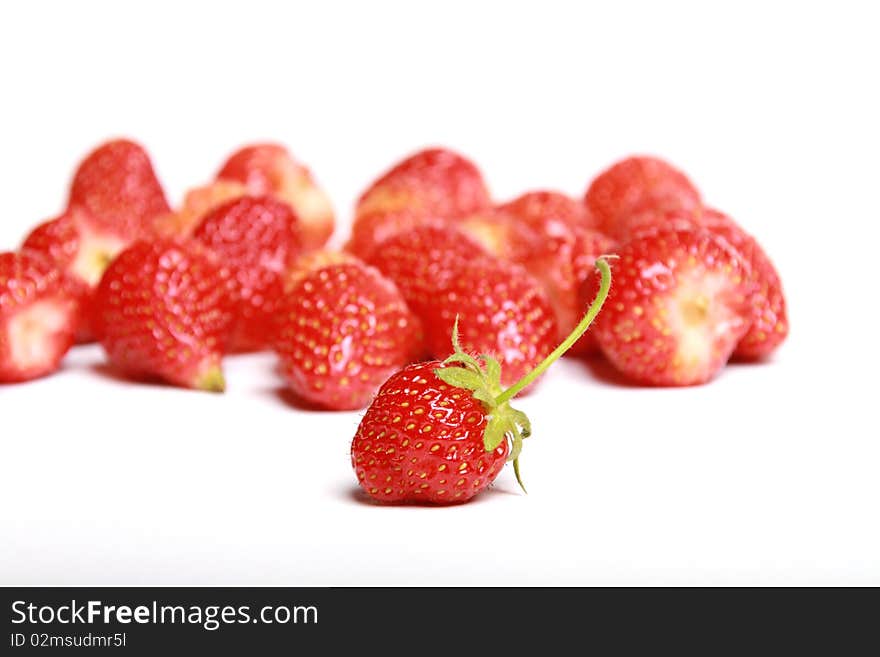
column 38, row 317
column 440, row 432
column 343, row 330
column 257, row 238
column 680, row 304
column 433, row 184
column 634, row 185
column 162, row 311
column 269, row 169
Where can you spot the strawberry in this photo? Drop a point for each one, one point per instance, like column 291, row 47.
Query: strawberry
column 441, row 272
column 162, row 310
column 440, row 432
column 435, row 183
column 269, row 169
column 197, row 202
column 769, row 325
column 423, row 260
column 71, row 244
column 38, row 316
column 680, row 304
column 633, row 185
column 116, row 186
column 258, row 238
column 115, row 198
column 343, row 330
column 544, row 209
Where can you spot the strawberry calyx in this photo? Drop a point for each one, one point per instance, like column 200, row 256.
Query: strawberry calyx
column 483, row 379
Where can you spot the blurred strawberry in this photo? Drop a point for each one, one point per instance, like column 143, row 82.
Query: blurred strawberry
column 257, row 238
column 269, row 169
column 38, row 316
column 634, row 185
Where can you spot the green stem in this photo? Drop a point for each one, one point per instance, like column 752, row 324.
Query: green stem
column 579, row 330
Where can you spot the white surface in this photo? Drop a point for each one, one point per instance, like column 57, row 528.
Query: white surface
column 767, row 476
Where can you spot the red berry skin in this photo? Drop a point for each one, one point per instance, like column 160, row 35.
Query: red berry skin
column 162, row 311
column 343, row 330
column 257, row 238
column 423, row 260
column 38, row 316
column 270, row 169
column 421, row 441
column 502, row 311
column 117, row 187
column 680, row 301
column 543, row 209
column 435, row 183
column 634, row 185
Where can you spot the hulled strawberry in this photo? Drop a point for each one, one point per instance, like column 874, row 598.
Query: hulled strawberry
column 769, row 325
column 435, row 183
column 440, row 432
column 162, row 311
column 257, row 238
column 270, row 169
column 38, row 316
column 634, row 185
column 115, row 198
column 117, row 188
column 343, row 330
column 680, row 304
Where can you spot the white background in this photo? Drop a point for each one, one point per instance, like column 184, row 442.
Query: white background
column 770, row 475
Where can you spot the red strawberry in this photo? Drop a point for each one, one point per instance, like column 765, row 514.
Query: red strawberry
column 162, row 310
column 440, row 432
column 633, row 185
column 435, row 184
column 423, row 260
column 544, row 209
column 680, row 304
column 118, row 189
column 70, row 243
column 269, row 169
column 38, row 317
column 343, row 331
column 258, row 238
column 769, row 326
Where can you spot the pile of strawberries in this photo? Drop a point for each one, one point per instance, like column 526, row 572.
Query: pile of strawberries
column 433, row 266
column 241, row 266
